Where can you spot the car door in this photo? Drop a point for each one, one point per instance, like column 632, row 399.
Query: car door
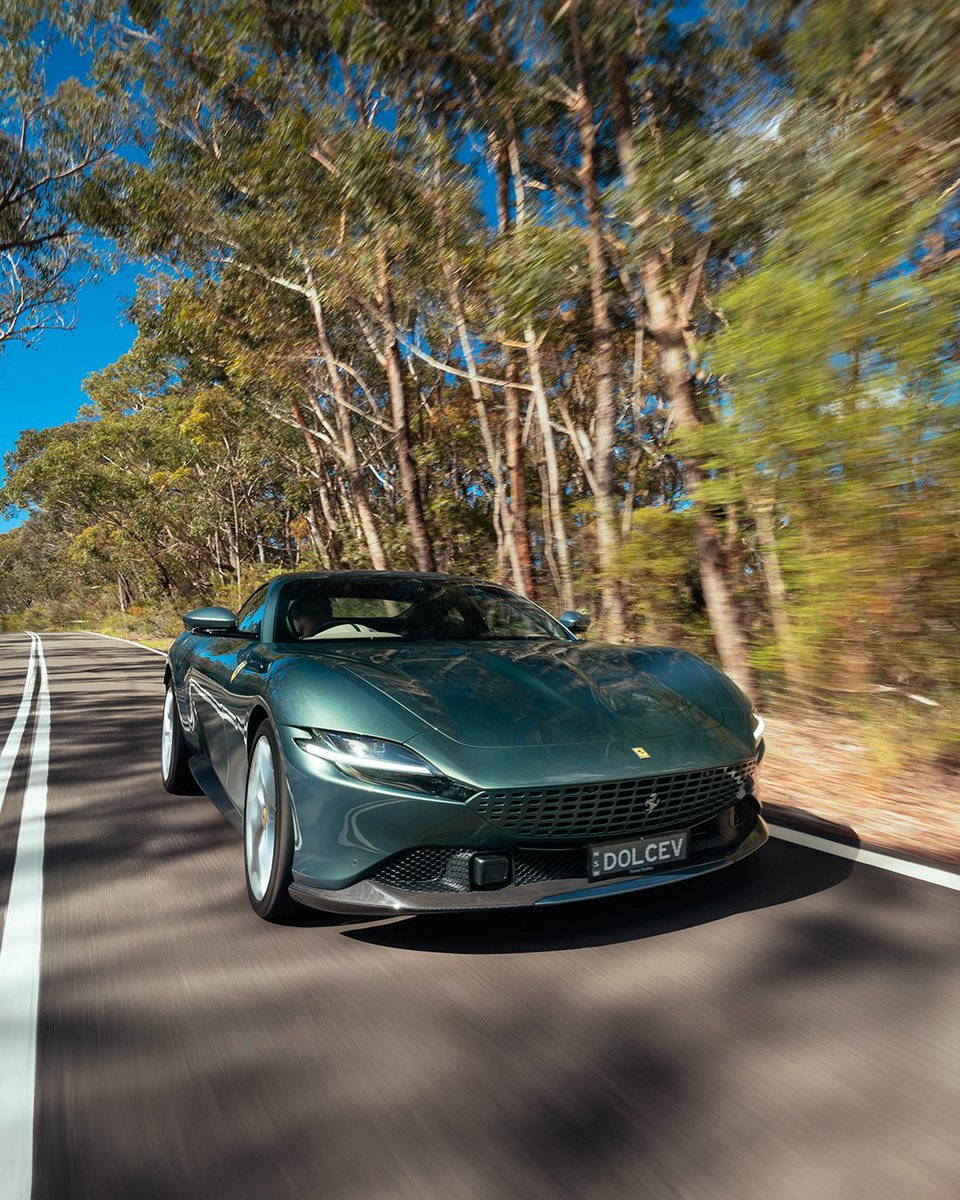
column 245, row 688
column 221, row 714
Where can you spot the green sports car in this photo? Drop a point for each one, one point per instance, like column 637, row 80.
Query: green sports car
column 403, row 743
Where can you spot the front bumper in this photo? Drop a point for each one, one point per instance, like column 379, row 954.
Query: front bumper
column 376, row 897
column 348, row 831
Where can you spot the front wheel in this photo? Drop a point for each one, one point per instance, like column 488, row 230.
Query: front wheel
column 174, row 751
column 267, row 830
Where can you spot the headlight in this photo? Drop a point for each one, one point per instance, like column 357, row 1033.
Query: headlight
column 758, row 727
column 376, row 761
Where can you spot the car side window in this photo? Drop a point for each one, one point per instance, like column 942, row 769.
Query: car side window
column 508, row 616
column 251, row 615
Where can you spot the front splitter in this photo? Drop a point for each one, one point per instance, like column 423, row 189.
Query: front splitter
column 367, row 898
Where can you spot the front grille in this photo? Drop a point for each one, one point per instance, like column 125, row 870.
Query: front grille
column 595, row 810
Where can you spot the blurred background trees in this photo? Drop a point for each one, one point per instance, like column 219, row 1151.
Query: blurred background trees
column 645, row 309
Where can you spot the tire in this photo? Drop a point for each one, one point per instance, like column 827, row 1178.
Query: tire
column 174, row 752
column 267, row 830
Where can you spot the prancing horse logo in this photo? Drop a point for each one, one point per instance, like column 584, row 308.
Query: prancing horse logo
column 652, row 801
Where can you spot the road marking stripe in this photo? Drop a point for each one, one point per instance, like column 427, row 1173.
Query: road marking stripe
column 11, row 747
column 20, row 967
column 872, row 858
column 110, row 637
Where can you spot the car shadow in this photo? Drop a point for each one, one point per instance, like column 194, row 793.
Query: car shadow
column 779, row 873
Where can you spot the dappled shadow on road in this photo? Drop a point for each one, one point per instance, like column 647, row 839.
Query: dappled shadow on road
column 207, row 1053
column 113, row 818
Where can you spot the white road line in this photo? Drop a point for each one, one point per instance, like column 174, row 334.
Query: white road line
column 110, row 637
column 11, row 747
column 871, row 858
column 20, row 968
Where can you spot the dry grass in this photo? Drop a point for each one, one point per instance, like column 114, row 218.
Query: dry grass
column 823, row 765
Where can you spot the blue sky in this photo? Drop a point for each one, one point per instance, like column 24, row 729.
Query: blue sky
column 40, row 385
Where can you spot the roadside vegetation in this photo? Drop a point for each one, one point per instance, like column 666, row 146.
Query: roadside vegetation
column 652, row 319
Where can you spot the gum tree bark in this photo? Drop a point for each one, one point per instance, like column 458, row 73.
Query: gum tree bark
column 668, row 319
column 334, row 545
column 667, row 327
column 351, row 462
column 514, row 451
column 502, row 517
column 776, row 590
column 406, row 465
column 559, row 548
column 605, row 417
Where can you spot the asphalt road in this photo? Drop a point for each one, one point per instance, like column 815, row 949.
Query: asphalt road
column 784, row 1030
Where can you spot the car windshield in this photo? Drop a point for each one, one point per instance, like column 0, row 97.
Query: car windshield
column 408, row 609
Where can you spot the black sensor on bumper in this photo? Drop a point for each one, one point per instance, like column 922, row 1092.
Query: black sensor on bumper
column 488, row 871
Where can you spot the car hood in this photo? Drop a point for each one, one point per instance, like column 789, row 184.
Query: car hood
column 522, row 693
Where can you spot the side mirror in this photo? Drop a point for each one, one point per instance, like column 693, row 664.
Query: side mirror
column 218, row 621
column 576, row 622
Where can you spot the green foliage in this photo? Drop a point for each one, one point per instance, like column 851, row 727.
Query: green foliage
column 657, row 563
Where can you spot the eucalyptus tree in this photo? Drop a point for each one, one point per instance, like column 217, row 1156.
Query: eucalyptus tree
column 50, row 138
column 107, row 481
column 256, row 167
column 644, row 88
column 839, row 341
column 440, row 71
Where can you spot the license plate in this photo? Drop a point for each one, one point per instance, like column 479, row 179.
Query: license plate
column 637, row 856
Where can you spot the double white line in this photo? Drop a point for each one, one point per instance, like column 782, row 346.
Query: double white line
column 20, row 948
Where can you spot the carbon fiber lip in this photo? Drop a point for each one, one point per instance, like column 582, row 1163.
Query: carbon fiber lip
column 366, row 896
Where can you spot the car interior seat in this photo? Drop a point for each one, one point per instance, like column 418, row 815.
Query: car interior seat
column 308, row 614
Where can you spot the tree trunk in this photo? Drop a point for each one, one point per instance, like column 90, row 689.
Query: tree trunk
column 548, row 540
column 667, row 326
column 290, row 543
column 776, row 591
column 351, row 463
column 331, row 517
column 406, row 465
column 558, row 548
column 217, row 550
column 320, row 549
column 502, row 517
column 519, row 511
column 604, row 436
column 667, row 331
column 636, row 453
column 514, row 453
column 333, row 546
column 235, row 544
column 123, row 592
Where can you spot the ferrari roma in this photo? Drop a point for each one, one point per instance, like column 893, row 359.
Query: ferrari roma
column 402, row 743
